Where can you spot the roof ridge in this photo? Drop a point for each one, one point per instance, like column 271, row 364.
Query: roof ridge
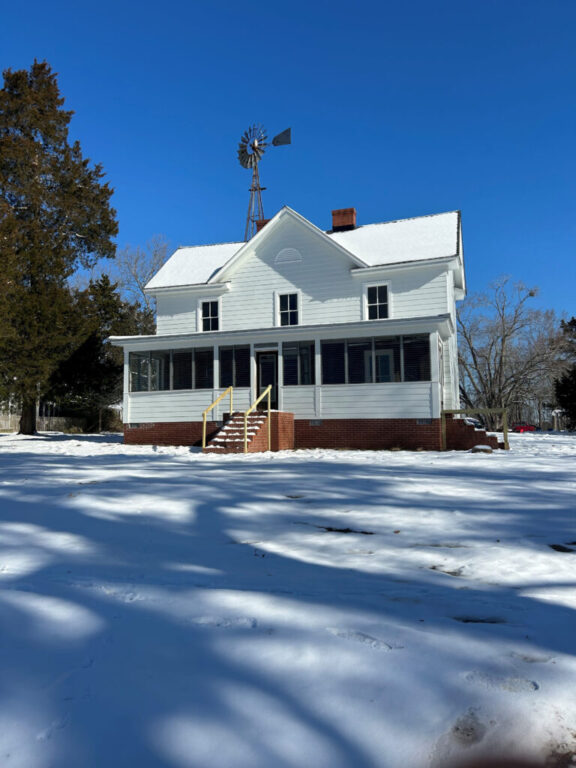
column 395, row 221
column 211, row 245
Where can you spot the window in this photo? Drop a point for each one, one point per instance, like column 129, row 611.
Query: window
column 378, row 360
column 416, row 358
column 377, row 302
column 139, row 371
column 210, row 315
column 288, row 308
column 298, row 357
column 203, row 368
column 387, row 359
column 359, row 361
column 182, row 369
column 159, row 371
column 234, row 367
column 333, row 362
column 171, row 370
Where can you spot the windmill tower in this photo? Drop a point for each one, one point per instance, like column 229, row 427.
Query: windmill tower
column 250, row 150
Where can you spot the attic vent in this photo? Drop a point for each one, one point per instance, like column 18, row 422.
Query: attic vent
column 287, row 256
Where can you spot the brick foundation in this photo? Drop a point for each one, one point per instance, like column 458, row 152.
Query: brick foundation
column 360, row 434
column 368, row 434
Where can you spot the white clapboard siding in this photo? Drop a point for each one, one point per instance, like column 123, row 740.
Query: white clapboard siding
column 184, row 405
column 410, row 400
column 176, row 313
column 327, row 292
column 300, row 401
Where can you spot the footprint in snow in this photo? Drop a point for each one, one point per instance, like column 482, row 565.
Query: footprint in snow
column 361, row 637
column 233, row 622
column 511, row 684
column 467, row 731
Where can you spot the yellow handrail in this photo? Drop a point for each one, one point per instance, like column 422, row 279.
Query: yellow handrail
column 254, row 404
column 230, row 391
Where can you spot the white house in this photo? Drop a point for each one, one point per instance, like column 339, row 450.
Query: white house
column 354, row 328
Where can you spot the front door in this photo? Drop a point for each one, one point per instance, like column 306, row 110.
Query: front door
column 267, row 364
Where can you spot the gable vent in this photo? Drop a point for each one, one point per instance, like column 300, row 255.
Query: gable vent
column 288, row 256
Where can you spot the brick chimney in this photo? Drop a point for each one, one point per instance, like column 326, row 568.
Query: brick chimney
column 343, row 219
column 260, row 224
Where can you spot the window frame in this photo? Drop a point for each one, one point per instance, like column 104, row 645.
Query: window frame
column 366, row 305
column 200, row 321
column 278, row 312
column 149, row 374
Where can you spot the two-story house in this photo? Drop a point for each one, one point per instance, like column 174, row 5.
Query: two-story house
column 354, row 328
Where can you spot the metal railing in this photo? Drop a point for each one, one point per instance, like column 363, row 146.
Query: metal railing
column 471, row 412
column 266, row 392
column 205, row 413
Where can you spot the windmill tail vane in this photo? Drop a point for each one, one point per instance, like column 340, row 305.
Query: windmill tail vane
column 251, row 148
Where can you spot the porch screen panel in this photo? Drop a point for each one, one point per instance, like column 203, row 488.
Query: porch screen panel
column 416, row 357
column 387, row 359
column 226, row 367
column 235, row 366
column 298, row 359
column 159, row 371
column 307, row 367
column 360, row 361
column 204, row 368
column 290, row 358
column 333, row 362
column 139, row 371
column 182, row 369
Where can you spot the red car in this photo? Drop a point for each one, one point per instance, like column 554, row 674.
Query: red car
column 523, row 428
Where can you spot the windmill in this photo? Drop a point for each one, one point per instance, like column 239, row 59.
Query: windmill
column 250, row 150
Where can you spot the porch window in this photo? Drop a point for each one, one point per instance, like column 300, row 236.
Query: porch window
column 333, row 362
column 387, row 359
column 288, row 308
column 359, row 359
column 377, row 302
column 210, row 315
column 204, row 368
column 139, row 371
column 159, row 371
column 174, row 369
column 377, row 360
column 234, row 366
column 298, row 357
column 182, row 369
column 416, row 358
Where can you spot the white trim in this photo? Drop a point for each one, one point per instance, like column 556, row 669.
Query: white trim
column 206, row 300
column 377, row 284
column 195, row 288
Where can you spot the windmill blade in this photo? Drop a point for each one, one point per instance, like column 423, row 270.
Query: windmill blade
column 283, row 138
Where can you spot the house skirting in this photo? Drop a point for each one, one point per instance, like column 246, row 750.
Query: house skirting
column 354, row 434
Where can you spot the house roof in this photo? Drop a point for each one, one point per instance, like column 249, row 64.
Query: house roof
column 391, row 242
column 405, row 240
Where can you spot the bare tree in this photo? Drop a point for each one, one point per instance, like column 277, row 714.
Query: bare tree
column 509, row 353
column 134, row 267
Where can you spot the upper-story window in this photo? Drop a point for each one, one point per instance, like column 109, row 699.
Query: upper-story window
column 210, row 315
column 288, row 308
column 377, row 302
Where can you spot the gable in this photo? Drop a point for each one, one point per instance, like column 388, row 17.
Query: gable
column 285, row 227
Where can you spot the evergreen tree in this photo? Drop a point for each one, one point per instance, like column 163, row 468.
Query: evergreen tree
column 566, row 384
column 90, row 379
column 55, row 216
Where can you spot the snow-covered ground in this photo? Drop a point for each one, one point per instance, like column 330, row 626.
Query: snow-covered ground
column 161, row 608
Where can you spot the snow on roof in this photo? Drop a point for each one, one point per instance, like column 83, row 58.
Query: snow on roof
column 193, row 265
column 416, row 239
column 424, row 237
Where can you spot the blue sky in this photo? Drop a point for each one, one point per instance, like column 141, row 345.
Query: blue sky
column 397, row 109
